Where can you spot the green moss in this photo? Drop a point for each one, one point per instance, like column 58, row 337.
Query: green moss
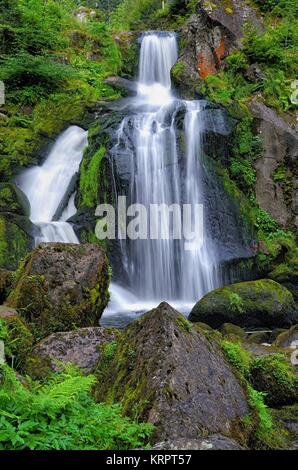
column 264, row 434
column 237, row 356
column 275, row 376
column 17, row 146
column 18, row 340
column 89, row 178
column 14, row 244
column 184, row 324
column 51, row 115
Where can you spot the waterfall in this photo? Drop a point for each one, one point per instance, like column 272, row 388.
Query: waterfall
column 46, row 185
column 162, row 269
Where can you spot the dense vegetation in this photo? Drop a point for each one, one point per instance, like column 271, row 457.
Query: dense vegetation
column 54, row 65
column 62, row 415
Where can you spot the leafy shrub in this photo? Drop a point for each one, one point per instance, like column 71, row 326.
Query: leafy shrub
column 62, row 415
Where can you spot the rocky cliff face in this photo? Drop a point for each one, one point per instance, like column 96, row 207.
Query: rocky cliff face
column 209, row 36
column 277, row 169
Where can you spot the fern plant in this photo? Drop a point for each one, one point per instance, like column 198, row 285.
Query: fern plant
column 62, row 415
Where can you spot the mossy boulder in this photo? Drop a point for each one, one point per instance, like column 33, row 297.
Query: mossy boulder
column 16, row 239
column 273, row 375
column 229, row 328
column 18, row 340
column 60, row 287
column 165, row 371
column 286, row 273
column 262, row 303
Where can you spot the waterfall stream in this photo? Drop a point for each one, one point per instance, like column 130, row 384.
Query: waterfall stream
column 158, row 269
column 162, row 269
column 46, row 185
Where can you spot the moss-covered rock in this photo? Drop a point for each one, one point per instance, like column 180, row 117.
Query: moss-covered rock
column 6, row 281
column 262, row 303
column 286, row 273
column 12, row 199
column 18, row 340
column 61, row 286
column 165, row 371
column 276, row 377
column 16, row 239
column 229, row 328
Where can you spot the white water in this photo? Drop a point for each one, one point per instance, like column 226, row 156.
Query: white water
column 46, row 185
column 162, row 269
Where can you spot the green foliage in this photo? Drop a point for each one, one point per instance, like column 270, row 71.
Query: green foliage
column 62, row 415
column 266, row 435
column 89, row 178
column 53, row 66
column 237, row 356
column 236, row 303
column 18, row 341
column 184, row 324
column 130, row 13
column 277, row 367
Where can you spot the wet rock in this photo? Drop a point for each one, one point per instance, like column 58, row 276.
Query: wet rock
column 61, row 286
column 213, row 442
column 288, row 339
column 262, row 303
column 276, row 192
column 80, row 347
column 229, row 328
column 259, row 337
column 122, row 84
column 167, row 372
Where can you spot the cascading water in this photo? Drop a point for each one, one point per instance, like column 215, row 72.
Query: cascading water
column 162, row 269
column 46, row 185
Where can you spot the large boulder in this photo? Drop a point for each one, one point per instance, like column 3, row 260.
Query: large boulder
column 61, row 286
column 81, row 347
column 262, row 303
column 168, row 373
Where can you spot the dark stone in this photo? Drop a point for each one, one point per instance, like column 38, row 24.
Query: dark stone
column 213, row 442
column 168, row 373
